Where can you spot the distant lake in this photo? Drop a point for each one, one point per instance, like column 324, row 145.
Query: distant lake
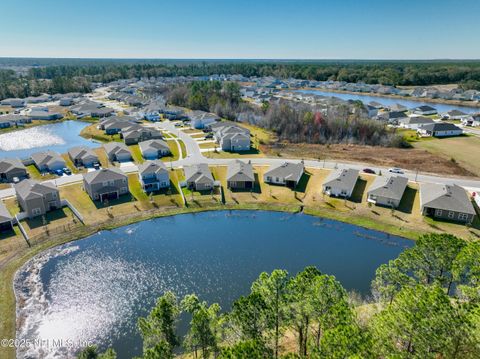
column 388, row 101
column 56, row 136
column 98, row 287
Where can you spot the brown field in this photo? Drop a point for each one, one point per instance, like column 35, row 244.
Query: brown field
column 411, row 159
column 464, row 150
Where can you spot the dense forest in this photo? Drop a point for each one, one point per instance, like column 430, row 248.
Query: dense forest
column 303, row 124
column 63, row 75
column 424, row 304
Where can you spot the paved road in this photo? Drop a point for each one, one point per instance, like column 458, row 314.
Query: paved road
column 194, row 155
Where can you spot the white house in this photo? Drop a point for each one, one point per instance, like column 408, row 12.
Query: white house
column 440, row 129
column 424, row 110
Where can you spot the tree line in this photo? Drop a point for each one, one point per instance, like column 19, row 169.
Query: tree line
column 424, row 304
column 76, row 75
column 337, row 124
column 221, row 98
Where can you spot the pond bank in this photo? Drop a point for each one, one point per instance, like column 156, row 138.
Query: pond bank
column 10, row 265
column 214, row 254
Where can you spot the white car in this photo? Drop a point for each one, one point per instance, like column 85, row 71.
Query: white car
column 396, row 170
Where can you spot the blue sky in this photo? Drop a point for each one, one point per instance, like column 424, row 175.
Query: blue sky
column 301, row 29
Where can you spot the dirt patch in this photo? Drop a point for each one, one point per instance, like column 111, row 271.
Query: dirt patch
column 411, row 159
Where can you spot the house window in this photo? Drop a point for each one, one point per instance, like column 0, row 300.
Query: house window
column 463, row 216
column 451, row 214
column 105, row 184
column 123, row 190
column 54, row 195
column 438, row 212
column 36, row 211
column 95, row 196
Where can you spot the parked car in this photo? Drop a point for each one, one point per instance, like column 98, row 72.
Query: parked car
column 67, row 171
column 96, row 165
column 369, row 170
column 58, row 172
column 209, row 135
column 396, row 170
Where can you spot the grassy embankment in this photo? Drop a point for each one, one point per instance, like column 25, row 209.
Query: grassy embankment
column 92, row 132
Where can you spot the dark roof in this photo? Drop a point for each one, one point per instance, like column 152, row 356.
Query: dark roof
column 441, row 126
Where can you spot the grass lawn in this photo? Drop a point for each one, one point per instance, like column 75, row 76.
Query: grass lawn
column 102, row 157
column 36, row 175
column 136, row 154
column 199, row 198
column 192, row 130
column 463, row 150
column 59, row 220
column 253, row 152
column 183, row 149
column 174, row 152
column 94, row 133
column 259, row 135
column 208, row 145
column 70, row 164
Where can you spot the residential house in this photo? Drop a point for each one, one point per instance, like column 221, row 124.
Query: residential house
column 5, row 123
column 201, row 119
column 371, row 111
column 114, row 126
column 240, row 175
column 387, row 190
column 153, row 149
column 415, row 122
column 199, row 177
column 48, row 161
column 38, row 99
column 36, row 199
column 91, row 109
column 14, row 120
column 117, row 151
column 287, row 174
column 14, row 102
column 440, row 129
column 473, row 120
column 393, row 117
column 82, row 156
column 340, row 183
column 135, row 133
column 450, row 202
column 6, row 219
column 231, row 137
column 398, row 108
column 105, row 184
column 424, row 110
column 66, row 101
column 153, row 176
column 376, row 105
column 40, row 114
column 456, row 115
column 11, row 168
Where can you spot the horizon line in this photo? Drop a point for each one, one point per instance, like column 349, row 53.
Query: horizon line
column 237, row 58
